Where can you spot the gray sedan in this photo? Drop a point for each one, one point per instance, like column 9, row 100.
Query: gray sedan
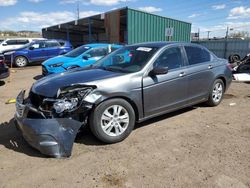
column 132, row 84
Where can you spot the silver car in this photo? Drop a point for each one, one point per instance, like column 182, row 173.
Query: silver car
column 132, row 84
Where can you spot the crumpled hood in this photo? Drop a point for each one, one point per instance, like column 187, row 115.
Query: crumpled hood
column 58, row 59
column 49, row 85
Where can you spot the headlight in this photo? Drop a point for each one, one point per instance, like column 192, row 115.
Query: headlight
column 56, row 65
column 65, row 105
column 9, row 53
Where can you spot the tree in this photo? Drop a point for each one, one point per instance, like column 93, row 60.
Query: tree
column 239, row 34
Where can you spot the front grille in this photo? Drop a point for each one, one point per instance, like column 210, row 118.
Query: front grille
column 19, row 109
column 44, row 71
column 35, row 100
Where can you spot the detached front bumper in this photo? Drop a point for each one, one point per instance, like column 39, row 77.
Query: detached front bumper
column 52, row 137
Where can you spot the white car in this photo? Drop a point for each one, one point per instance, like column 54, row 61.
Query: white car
column 15, row 43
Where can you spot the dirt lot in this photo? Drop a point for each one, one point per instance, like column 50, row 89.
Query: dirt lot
column 194, row 147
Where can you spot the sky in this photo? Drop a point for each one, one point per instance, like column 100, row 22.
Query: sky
column 206, row 15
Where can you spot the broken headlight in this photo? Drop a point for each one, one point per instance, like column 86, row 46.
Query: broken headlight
column 68, row 99
column 65, row 105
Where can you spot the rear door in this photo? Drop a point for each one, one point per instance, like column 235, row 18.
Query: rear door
column 37, row 51
column 53, row 48
column 168, row 91
column 199, row 72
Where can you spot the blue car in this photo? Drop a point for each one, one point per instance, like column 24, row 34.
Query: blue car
column 36, row 51
column 80, row 57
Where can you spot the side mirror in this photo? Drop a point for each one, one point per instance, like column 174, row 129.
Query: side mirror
column 4, row 44
column 31, row 48
column 158, row 71
column 85, row 57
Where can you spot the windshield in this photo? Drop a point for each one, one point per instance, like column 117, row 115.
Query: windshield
column 127, row 59
column 78, row 51
column 27, row 45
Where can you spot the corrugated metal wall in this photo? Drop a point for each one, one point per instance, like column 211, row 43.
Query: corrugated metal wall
column 224, row 49
column 145, row 27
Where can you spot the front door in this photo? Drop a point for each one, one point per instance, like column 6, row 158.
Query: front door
column 168, row 91
column 95, row 54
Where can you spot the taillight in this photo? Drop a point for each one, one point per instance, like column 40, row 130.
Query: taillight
column 230, row 67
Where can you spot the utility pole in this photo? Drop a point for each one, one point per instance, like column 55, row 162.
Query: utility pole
column 77, row 10
column 227, row 32
column 208, row 33
column 226, row 43
column 198, row 34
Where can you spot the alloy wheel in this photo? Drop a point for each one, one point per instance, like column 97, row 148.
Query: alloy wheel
column 217, row 92
column 115, row 120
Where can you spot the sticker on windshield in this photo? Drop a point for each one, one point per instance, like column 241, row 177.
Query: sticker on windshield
column 86, row 47
column 145, row 49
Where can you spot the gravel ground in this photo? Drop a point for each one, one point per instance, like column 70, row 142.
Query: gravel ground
column 194, row 147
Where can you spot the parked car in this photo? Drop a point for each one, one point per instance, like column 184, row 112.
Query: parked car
column 130, row 85
column 14, row 43
column 65, row 43
column 36, row 51
column 4, row 69
column 80, row 57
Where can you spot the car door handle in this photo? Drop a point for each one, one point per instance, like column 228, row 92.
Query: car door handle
column 182, row 74
column 210, row 66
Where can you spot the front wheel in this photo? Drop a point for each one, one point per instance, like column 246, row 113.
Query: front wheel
column 21, row 61
column 216, row 94
column 112, row 121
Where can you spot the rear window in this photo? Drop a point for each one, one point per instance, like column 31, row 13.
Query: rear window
column 22, row 41
column 197, row 55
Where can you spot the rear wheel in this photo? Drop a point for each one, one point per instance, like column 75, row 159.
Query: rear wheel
column 216, row 94
column 21, row 61
column 112, row 121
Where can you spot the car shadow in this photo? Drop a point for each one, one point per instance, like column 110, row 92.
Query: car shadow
column 12, row 139
column 2, row 83
column 37, row 77
column 87, row 138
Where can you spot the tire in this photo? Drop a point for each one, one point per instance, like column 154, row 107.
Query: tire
column 244, row 68
column 216, row 93
column 111, row 127
column 234, row 58
column 21, row 61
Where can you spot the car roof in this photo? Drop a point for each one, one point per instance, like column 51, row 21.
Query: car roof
column 162, row 44
column 100, row 44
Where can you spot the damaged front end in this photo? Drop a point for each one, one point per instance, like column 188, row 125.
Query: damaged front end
column 51, row 124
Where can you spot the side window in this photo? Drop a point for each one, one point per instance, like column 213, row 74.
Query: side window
column 197, row 55
column 39, row 45
column 97, row 52
column 11, row 42
column 21, row 42
column 113, row 49
column 52, row 44
column 171, row 58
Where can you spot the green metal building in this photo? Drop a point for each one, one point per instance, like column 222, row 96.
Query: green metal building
column 123, row 26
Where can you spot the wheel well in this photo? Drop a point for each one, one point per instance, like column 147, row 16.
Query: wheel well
column 22, row 56
column 224, row 81
column 130, row 102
